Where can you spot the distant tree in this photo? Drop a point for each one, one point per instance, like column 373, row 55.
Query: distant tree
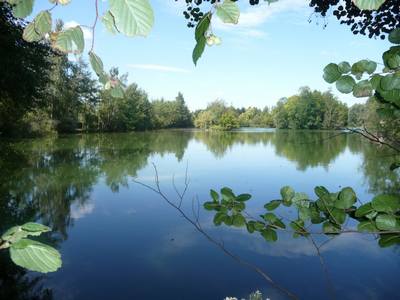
column 356, row 115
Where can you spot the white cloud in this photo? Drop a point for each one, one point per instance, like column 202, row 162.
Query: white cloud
column 87, row 34
column 155, row 67
column 81, row 210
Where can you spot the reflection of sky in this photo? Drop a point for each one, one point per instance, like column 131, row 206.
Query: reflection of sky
column 129, row 244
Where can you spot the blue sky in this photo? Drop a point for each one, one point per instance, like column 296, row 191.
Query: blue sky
column 271, row 53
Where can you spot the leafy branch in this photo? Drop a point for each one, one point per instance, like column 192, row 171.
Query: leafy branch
column 195, row 222
column 28, row 253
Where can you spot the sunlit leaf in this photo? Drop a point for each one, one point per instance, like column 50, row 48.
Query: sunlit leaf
column 345, row 84
column 109, row 22
column 347, row 197
column 228, row 12
column 43, row 23
column 35, row 256
column 386, row 203
column 331, row 73
column 22, row 8
column 132, row 17
column 70, row 40
column 368, row 4
column 387, row 222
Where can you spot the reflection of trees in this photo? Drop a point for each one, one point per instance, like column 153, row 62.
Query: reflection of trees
column 41, row 179
column 218, row 142
column 309, row 149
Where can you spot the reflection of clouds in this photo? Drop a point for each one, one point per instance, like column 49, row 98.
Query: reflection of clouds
column 81, row 210
column 186, row 237
column 160, row 177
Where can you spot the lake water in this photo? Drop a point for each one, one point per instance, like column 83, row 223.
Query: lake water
column 119, row 240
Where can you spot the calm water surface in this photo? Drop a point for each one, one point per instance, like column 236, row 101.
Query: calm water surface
column 121, row 241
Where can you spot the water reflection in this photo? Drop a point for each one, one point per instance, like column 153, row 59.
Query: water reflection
column 53, row 180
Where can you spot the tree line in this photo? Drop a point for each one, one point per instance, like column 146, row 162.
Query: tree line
column 43, row 91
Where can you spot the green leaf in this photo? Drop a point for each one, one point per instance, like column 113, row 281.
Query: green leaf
column 315, row 214
column 132, row 17
column 219, row 218
column 70, row 40
column 43, row 23
column 279, row 224
column 109, row 22
column 388, row 240
column 22, row 8
column 368, row 4
column 345, row 84
column 321, row 192
column 16, row 233
column 62, row 2
column 243, row 197
column 331, row 73
column 390, row 82
column 394, row 36
column 200, row 36
column 228, row 12
column 227, row 194
column 270, row 217
column 344, row 67
column 301, row 199
column 287, row 193
column 338, row 215
column 272, row 204
column 198, row 50
column 210, row 205
column 391, row 58
column 368, row 226
column 330, row 228
column 30, row 34
column 35, row 256
column 238, row 220
column 347, row 197
column 387, row 222
column 214, row 195
column 35, row 227
column 386, row 203
column 304, row 213
column 269, row 234
column 239, row 206
column 250, row 226
column 259, row 225
column 363, row 89
column 202, row 27
column 96, row 63
column 364, row 210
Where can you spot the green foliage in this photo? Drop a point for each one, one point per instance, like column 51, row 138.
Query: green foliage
column 331, row 210
column 217, row 116
column 200, row 36
column 30, row 254
column 310, row 110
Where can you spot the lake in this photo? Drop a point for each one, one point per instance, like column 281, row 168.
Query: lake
column 119, row 240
